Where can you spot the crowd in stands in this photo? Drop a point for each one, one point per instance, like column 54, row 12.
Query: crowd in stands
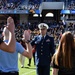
column 29, row 7
column 55, row 31
column 24, row 26
column 35, row 1
column 9, row 4
column 71, row 6
column 32, row 4
column 17, row 4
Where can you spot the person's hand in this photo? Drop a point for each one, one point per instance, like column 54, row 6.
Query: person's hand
column 10, row 24
column 27, row 35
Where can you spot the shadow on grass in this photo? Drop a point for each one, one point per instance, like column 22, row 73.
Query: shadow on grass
column 30, row 68
column 33, row 68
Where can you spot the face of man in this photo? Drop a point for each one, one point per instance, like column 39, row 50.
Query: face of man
column 43, row 31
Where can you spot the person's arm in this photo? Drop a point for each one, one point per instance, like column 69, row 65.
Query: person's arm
column 55, row 68
column 55, row 71
column 10, row 46
column 52, row 46
column 28, row 51
column 33, row 41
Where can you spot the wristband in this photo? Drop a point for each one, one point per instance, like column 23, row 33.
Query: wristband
column 28, row 41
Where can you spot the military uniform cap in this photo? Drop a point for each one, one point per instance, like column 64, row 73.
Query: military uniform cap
column 42, row 26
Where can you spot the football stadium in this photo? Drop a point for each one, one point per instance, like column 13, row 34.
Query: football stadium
column 44, row 31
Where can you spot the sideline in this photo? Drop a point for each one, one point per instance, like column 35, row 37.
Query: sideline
column 28, row 72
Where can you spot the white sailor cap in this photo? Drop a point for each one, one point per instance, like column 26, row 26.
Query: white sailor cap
column 43, row 25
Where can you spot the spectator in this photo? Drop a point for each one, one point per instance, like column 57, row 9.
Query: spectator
column 10, row 46
column 63, row 62
column 9, row 61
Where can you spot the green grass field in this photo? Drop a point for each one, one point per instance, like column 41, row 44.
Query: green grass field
column 27, row 70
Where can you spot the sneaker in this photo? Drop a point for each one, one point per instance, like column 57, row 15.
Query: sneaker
column 28, row 64
column 22, row 66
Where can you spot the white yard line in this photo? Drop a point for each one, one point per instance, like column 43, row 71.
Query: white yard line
column 28, row 72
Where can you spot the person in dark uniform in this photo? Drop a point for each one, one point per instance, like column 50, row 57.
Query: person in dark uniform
column 10, row 46
column 44, row 50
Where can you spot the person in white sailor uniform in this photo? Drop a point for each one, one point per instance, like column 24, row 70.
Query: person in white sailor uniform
column 44, row 50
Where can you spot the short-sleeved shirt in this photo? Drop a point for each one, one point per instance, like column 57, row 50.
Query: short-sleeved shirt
column 9, row 61
column 63, row 70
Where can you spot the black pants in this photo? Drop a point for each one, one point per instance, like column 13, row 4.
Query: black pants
column 9, row 73
column 43, row 70
column 31, row 59
column 34, row 57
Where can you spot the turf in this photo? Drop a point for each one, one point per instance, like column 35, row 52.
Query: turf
column 27, row 70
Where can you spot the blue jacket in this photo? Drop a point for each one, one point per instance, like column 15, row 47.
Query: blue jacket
column 44, row 49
